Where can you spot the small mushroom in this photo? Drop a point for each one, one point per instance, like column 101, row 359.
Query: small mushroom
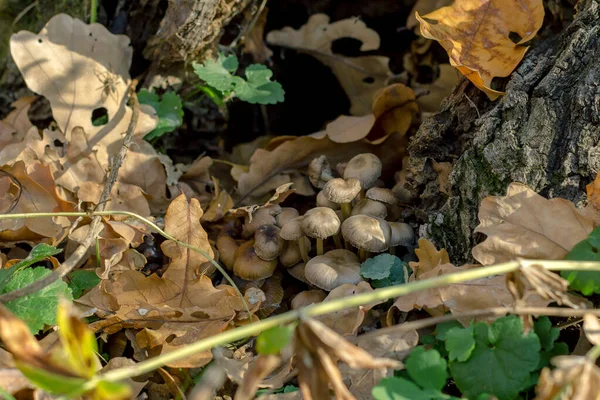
column 370, row 207
column 332, row 269
column 368, row 234
column 323, row 201
column 321, row 223
column 249, row 266
column 267, row 243
column 227, row 247
column 402, row 235
column 273, row 295
column 382, row 195
column 292, row 231
column 319, row 171
column 291, row 254
column 342, row 192
column 365, row 167
column 262, row 216
column 286, row 214
column 297, row 271
column 207, row 267
column 308, row 297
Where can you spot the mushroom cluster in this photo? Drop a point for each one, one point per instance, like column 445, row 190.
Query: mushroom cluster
column 324, row 247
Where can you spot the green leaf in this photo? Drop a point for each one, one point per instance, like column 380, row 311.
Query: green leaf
column 38, row 253
column 82, row 280
column 501, row 362
column 395, row 388
column 39, row 308
column 259, row 88
column 218, row 74
column 442, row 329
column 587, row 282
column 427, row 368
column 384, row 270
column 460, row 343
column 273, row 340
column 169, row 111
column 547, row 334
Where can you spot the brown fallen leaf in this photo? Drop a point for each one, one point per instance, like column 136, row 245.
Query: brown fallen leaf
column 219, row 205
column 524, row 224
column 16, row 124
column 254, row 42
column 361, row 77
column 477, row 36
column 423, row 7
column 429, row 257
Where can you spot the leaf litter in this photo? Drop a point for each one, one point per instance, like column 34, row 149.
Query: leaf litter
column 81, row 68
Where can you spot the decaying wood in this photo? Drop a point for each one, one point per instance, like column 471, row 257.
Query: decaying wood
column 545, row 133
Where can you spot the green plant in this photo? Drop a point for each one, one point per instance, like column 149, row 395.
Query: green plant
column 257, row 88
column 168, row 109
column 384, row 270
column 587, row 282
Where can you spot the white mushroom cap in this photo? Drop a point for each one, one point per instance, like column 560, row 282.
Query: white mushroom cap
column 340, row 190
column 262, row 216
column 333, row 269
column 383, row 195
column 292, row 230
column 319, row 171
column 320, row 222
column 370, row 207
column 286, row 214
column 368, row 233
column 323, row 201
column 297, row 271
column 402, row 234
column 365, row 167
column 267, row 243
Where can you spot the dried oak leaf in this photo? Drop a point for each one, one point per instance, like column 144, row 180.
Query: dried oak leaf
column 361, row 77
column 478, row 36
column 220, row 204
column 80, row 68
column 254, row 42
column 14, row 126
column 424, row 7
column 524, row 224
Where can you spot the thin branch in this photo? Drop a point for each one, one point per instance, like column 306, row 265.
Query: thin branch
column 96, row 225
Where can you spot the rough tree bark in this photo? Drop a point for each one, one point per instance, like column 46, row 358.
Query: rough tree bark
column 545, row 133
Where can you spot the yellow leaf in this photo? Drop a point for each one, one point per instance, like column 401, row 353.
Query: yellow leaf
column 429, row 257
column 476, row 35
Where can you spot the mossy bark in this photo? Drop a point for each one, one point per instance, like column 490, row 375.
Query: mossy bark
column 544, row 132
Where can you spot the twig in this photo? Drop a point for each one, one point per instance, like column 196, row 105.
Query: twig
column 249, row 27
column 93, row 11
column 340, row 304
column 96, row 225
column 22, row 14
column 473, row 104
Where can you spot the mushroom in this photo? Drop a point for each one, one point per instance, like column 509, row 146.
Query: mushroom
column 323, row 201
column 286, row 214
column 227, row 246
column 273, row 295
column 249, row 266
column 368, row 234
column 207, row 267
column 267, row 243
column 402, row 235
column 308, row 297
column 262, row 216
column 382, row 195
column 291, row 254
column 297, row 271
column 342, row 192
column 292, row 231
column 365, row 167
column 321, row 223
column 370, row 207
column 333, row 269
column 319, row 171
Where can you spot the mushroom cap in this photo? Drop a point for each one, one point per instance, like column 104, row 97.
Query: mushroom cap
column 402, row 234
column 292, row 230
column 308, row 297
column 291, row 255
column 320, row 222
column 383, row 195
column 340, row 190
column 323, row 201
column 286, row 214
column 267, row 243
column 319, row 171
column 227, row 247
column 370, row 207
column 297, row 271
column 365, row 167
column 262, row 216
column 368, row 233
column 249, row 266
column 333, row 269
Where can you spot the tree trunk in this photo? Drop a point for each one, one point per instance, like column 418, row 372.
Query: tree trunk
column 544, row 132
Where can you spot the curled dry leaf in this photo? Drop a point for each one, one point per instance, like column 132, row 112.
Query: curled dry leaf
column 281, row 193
column 16, row 124
column 361, row 77
column 424, row 7
column 591, row 328
column 80, row 68
column 575, row 377
column 220, row 204
column 477, row 36
column 524, row 224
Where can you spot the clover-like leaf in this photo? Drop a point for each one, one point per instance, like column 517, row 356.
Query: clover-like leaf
column 259, row 88
column 587, row 282
column 384, row 270
column 218, row 73
column 168, row 109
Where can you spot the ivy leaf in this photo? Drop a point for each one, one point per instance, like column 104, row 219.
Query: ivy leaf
column 427, row 368
column 384, row 270
column 82, row 280
column 218, row 74
column 273, row 340
column 460, row 343
column 259, row 89
column 39, row 308
column 586, row 282
column 169, row 111
column 501, row 362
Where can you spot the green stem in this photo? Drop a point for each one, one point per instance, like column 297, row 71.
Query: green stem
column 340, row 304
column 346, row 211
column 594, row 353
column 93, row 11
column 319, row 247
column 147, row 222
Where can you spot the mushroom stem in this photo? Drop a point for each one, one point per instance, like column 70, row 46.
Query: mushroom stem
column 319, row 246
column 303, row 249
column 393, row 250
column 346, row 211
column 362, row 255
column 338, row 241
